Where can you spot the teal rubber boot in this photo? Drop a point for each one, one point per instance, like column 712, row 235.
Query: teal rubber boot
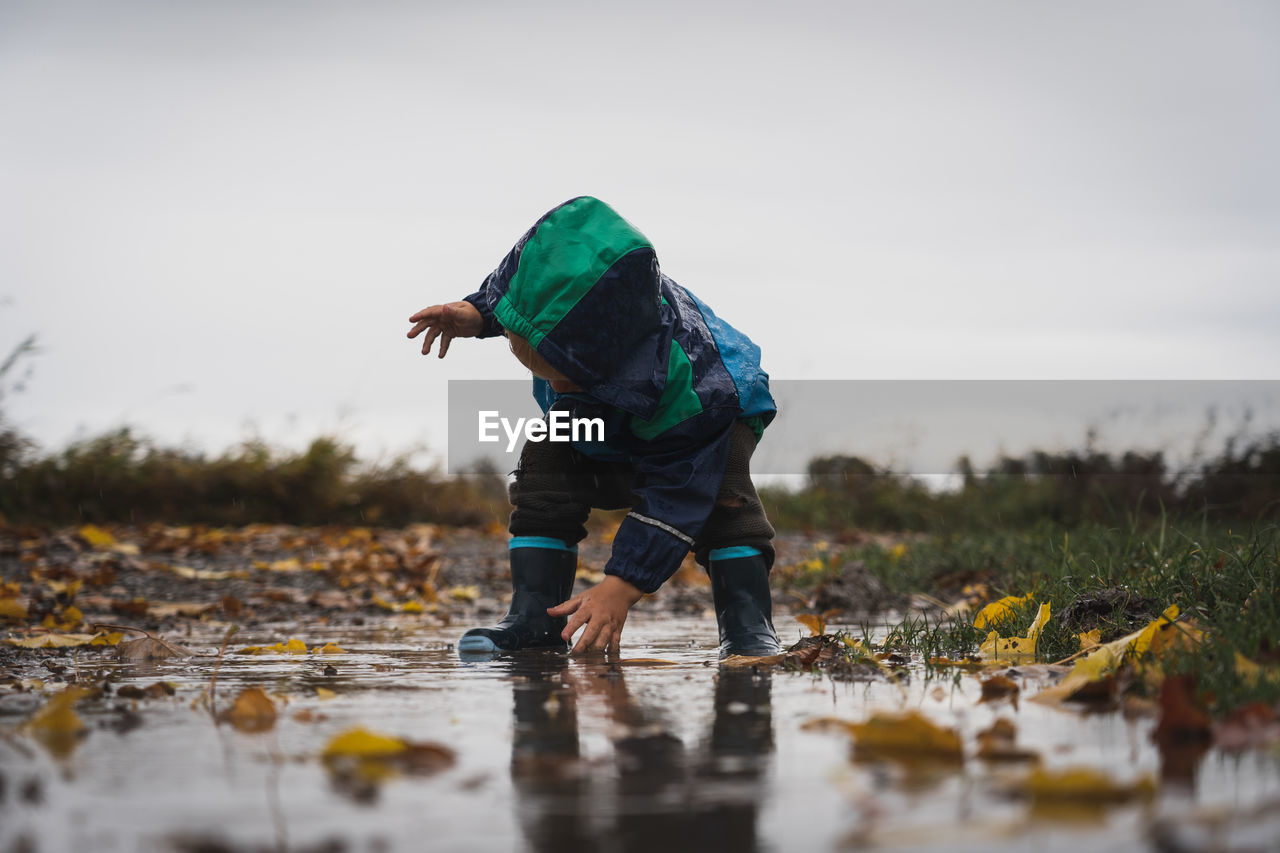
column 542, row 575
column 744, row 608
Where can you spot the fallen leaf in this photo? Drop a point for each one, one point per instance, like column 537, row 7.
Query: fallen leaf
column 68, row 618
column 293, row 647
column 56, row 725
column 252, row 711
column 96, row 537
column 1105, row 660
column 52, row 641
column 998, row 744
column 361, row 743
column 325, row 693
column 150, row 649
column 464, row 593
column 1016, row 649
column 12, row 610
column 999, row 687
column 135, row 607
column 1083, row 787
column 908, row 737
column 816, row 623
column 329, row 649
column 998, row 611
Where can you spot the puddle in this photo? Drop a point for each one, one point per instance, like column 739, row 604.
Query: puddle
column 563, row 755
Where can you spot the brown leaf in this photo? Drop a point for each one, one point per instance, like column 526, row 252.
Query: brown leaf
column 150, row 649
column 253, row 711
column 135, row 607
column 999, row 687
column 998, row 743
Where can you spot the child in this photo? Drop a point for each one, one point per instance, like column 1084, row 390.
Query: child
column 585, row 307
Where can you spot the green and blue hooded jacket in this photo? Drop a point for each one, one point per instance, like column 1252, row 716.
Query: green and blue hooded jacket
column 667, row 375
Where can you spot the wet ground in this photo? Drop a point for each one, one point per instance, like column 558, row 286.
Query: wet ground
column 556, row 754
column 665, row 751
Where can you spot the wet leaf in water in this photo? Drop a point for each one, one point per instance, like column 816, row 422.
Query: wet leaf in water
column 1082, row 788
column 53, row 641
column 906, row 737
column 325, row 693
column 150, row 649
column 361, row 743
column 999, row 687
column 999, row 744
column 1015, row 650
column 56, row 725
column 252, row 711
column 293, row 647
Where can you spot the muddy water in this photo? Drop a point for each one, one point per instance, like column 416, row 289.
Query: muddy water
column 564, row 755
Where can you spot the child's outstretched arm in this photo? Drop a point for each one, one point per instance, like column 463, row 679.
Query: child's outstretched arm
column 446, row 322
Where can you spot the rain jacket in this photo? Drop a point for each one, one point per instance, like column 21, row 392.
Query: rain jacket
column 668, row 377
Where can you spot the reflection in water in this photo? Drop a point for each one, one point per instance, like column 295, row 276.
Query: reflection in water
column 656, row 793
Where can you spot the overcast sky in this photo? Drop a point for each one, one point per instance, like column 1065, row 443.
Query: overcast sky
column 218, row 216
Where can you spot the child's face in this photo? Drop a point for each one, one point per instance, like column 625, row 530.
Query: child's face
column 538, row 365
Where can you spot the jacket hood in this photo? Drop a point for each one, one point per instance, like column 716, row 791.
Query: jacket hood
column 587, row 295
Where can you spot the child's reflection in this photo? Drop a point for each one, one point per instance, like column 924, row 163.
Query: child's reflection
column 656, row 794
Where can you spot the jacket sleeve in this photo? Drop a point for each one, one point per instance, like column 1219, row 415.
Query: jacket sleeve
column 494, row 287
column 484, row 301
column 675, row 486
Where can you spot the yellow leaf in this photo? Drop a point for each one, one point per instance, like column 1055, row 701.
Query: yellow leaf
column 1083, row 786
column 1089, row 639
column 329, row 649
column 253, row 711
column 56, row 725
column 67, row 588
column 997, row 611
column 96, row 536
column 111, row 639
column 11, row 609
column 464, row 593
column 325, row 693
column 52, row 641
column 360, row 743
column 411, row 607
column 1016, row 649
column 908, row 736
column 1105, row 659
column 816, row 624
column 293, row 647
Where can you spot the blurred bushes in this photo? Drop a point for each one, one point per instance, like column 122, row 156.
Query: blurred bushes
column 845, row 492
column 122, row 477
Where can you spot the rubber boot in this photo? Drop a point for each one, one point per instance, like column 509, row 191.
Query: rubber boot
column 542, row 575
column 744, row 610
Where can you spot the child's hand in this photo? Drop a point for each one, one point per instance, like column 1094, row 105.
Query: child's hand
column 603, row 609
column 446, row 322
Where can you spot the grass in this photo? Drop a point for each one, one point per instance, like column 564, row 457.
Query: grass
column 1224, row 579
